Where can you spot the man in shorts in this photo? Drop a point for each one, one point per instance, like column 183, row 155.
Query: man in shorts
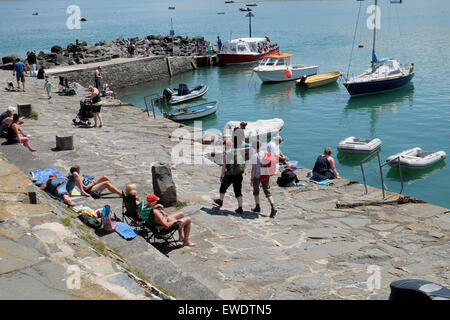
column 58, row 187
column 19, row 72
column 258, row 178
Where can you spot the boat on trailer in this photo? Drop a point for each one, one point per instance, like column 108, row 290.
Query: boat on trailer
column 358, row 145
column 192, row 113
column 183, row 93
column 278, row 67
column 416, row 158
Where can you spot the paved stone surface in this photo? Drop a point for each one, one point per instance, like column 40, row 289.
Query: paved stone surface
column 311, row 250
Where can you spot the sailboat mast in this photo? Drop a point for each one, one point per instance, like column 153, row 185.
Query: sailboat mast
column 374, row 34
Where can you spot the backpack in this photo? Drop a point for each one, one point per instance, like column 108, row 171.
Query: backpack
column 238, row 166
column 90, row 221
column 107, row 219
column 288, row 178
column 268, row 165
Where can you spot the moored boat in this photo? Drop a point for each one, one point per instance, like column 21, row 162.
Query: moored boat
column 192, row 113
column 358, row 145
column 183, row 93
column 416, row 158
column 246, row 50
column 385, row 74
column 318, row 80
column 278, row 67
column 260, row 129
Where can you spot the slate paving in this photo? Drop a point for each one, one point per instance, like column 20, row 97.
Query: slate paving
column 313, row 249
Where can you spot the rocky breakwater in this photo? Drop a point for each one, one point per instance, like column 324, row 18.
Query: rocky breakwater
column 84, row 52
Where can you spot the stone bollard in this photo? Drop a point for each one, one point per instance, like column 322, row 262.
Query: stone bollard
column 64, row 143
column 163, row 185
column 24, row 110
column 31, row 195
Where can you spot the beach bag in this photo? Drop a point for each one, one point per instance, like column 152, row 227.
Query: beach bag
column 238, row 165
column 269, row 165
column 288, row 178
column 107, row 219
column 90, row 221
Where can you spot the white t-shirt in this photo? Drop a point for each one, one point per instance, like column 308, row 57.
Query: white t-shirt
column 273, row 148
column 257, row 159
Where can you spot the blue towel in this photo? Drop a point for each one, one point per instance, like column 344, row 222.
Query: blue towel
column 42, row 175
column 323, row 182
column 126, row 231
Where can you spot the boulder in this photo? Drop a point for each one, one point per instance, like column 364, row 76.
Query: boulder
column 163, row 185
column 11, row 58
column 61, row 60
column 56, row 49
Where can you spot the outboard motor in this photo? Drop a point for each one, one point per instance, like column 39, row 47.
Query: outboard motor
column 167, row 94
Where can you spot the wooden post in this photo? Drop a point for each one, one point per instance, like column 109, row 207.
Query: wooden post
column 170, row 68
column 64, row 143
column 24, row 110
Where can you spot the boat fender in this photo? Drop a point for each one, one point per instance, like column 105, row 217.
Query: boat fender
column 288, row 73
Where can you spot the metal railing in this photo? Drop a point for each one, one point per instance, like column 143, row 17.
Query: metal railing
column 152, row 100
column 383, row 186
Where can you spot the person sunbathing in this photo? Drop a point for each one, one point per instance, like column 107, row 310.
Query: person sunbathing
column 91, row 186
column 59, row 188
column 163, row 220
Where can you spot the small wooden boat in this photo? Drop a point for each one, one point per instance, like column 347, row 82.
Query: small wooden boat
column 230, row 1
column 192, row 113
column 318, row 80
column 245, row 9
column 171, row 8
column 183, row 93
column 83, row 19
column 35, row 13
column 251, row 4
column 357, row 145
column 220, row 12
column 416, row 158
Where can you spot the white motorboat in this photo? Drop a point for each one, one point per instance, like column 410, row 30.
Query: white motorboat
column 194, row 112
column 183, row 93
column 416, row 158
column 358, row 145
column 263, row 129
column 278, row 67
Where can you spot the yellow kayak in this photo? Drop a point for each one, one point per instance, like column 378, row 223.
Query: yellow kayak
column 319, row 79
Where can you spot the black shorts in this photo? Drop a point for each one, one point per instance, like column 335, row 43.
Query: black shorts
column 96, row 109
column 236, row 181
column 20, row 76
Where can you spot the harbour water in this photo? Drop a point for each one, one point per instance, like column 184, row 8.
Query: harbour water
column 318, row 32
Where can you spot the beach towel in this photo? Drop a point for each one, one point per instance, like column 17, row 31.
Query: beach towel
column 125, row 231
column 323, row 182
column 42, row 175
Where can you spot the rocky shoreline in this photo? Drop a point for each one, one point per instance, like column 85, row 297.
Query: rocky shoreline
column 84, row 52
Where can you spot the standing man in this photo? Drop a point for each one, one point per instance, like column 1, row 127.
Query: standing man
column 219, row 43
column 98, row 77
column 31, row 58
column 257, row 179
column 146, row 47
column 18, row 71
column 273, row 147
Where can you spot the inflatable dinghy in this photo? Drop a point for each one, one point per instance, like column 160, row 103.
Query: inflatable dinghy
column 416, row 158
column 357, row 145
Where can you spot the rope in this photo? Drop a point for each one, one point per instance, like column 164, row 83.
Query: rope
column 354, row 36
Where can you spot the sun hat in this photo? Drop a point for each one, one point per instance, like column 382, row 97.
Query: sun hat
column 151, row 197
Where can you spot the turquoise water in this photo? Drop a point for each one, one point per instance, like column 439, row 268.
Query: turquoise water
column 318, row 32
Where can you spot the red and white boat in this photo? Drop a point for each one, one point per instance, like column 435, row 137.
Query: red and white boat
column 246, row 50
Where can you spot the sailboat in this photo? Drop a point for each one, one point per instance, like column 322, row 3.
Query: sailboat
column 384, row 74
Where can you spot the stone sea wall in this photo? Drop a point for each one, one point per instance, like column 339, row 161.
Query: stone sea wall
column 129, row 72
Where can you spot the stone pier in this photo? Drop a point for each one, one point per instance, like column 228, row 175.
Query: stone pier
column 315, row 248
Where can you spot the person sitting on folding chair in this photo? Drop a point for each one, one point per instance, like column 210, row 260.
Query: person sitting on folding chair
column 164, row 221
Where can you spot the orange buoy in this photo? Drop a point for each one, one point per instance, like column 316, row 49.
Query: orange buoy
column 288, row 73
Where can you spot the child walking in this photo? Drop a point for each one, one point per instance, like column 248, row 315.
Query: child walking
column 48, row 87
